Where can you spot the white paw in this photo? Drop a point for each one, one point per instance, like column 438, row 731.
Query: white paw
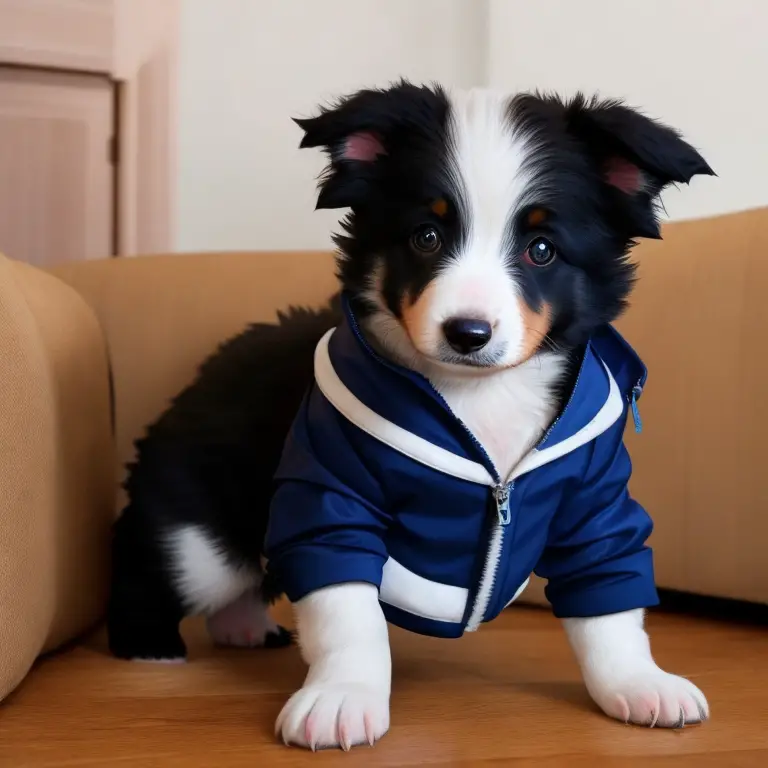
column 246, row 623
column 336, row 715
column 653, row 698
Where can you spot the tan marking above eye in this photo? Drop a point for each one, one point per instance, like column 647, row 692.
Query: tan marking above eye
column 536, row 217
column 439, row 207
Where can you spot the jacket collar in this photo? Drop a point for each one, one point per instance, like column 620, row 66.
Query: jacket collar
column 400, row 407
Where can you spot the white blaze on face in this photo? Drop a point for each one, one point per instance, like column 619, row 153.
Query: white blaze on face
column 489, row 183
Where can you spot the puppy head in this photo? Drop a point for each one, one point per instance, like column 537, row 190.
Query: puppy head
column 485, row 227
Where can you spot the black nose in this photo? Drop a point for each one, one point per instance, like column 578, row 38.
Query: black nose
column 466, row 335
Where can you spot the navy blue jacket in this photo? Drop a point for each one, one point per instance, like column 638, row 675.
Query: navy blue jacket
column 379, row 482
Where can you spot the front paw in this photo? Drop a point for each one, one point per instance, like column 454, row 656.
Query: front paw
column 334, row 715
column 652, row 697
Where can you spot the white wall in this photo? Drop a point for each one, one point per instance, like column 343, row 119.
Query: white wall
column 247, row 66
column 699, row 65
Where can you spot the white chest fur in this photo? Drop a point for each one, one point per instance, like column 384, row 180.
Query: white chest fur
column 508, row 411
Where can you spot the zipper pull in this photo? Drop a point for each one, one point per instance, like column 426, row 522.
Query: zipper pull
column 501, row 495
column 636, row 392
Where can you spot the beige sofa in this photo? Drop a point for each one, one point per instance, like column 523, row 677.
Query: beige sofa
column 93, row 352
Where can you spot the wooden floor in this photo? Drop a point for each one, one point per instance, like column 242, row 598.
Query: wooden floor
column 509, row 694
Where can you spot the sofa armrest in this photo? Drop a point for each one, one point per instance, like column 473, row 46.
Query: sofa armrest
column 57, row 473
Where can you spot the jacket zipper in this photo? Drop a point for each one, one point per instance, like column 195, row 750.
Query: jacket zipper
column 501, row 494
column 634, row 396
column 501, row 490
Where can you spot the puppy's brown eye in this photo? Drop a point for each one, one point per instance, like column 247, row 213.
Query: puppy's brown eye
column 540, row 252
column 426, row 241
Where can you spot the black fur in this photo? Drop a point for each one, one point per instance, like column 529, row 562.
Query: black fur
column 390, row 198
column 209, row 459
column 592, row 223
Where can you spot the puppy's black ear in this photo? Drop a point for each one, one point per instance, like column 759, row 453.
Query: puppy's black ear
column 637, row 157
column 361, row 131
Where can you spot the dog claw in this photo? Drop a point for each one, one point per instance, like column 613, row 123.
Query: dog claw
column 311, row 743
column 369, row 732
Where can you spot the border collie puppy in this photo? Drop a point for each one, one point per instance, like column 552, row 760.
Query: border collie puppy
column 464, row 420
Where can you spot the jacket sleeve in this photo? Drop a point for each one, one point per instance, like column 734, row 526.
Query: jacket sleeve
column 326, row 522
column 596, row 559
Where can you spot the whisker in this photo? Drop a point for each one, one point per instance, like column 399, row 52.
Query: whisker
column 544, row 338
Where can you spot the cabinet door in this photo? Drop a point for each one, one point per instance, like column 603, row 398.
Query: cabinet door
column 56, row 171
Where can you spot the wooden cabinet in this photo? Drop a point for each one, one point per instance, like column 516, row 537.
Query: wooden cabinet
column 56, row 170
column 87, row 107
